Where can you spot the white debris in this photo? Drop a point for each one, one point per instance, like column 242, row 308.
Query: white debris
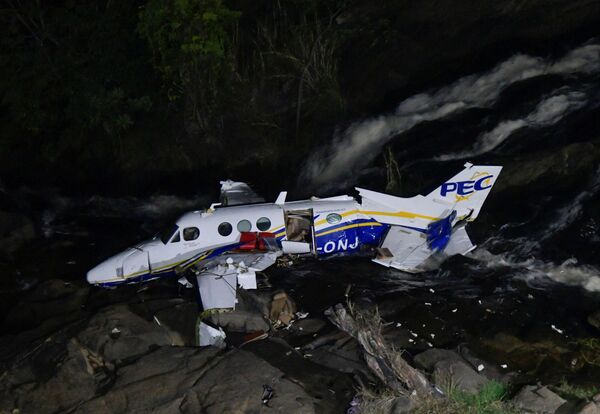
column 301, row 315
column 423, row 325
column 454, row 310
column 115, row 331
column 398, row 325
column 504, row 366
column 411, row 340
column 246, row 279
column 413, row 334
column 430, row 344
column 427, row 304
column 480, row 367
column 479, row 301
column 157, row 321
column 185, row 283
column 431, row 290
column 211, row 336
column 554, row 328
column 530, row 296
column 432, row 336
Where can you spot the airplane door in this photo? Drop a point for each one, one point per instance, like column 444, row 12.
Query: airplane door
column 300, row 232
column 136, row 263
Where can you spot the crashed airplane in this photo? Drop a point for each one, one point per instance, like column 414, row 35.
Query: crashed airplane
column 221, row 248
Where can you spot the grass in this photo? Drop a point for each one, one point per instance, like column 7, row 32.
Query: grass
column 490, row 400
column 569, row 391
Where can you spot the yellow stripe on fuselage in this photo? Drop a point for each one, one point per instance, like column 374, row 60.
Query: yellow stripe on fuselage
column 403, row 214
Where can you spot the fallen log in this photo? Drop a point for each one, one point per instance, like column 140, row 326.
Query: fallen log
column 385, row 361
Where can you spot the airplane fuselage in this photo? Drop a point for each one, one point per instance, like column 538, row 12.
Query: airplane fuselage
column 316, row 226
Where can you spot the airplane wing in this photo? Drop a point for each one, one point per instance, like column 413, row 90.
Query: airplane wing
column 234, row 193
column 218, row 278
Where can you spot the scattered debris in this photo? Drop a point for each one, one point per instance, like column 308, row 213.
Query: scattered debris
column 427, row 304
column 267, row 394
column 254, row 336
column 503, row 366
column 431, row 290
column 283, row 309
column 114, row 334
column 454, row 310
column 398, row 325
column 554, row 328
column 157, row 321
column 185, row 283
column 301, row 315
column 480, row 367
column 207, row 335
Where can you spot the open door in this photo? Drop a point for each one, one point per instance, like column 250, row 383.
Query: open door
column 300, row 232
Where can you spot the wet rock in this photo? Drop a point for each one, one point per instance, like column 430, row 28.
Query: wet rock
column 15, row 231
column 250, row 314
column 426, row 360
column 343, row 355
column 79, row 376
column 50, row 299
column 594, row 319
column 308, row 326
column 203, row 380
column 587, row 408
column 137, row 336
column 449, row 373
column 537, row 399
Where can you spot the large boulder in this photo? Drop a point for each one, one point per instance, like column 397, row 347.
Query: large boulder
column 448, row 374
column 188, row 380
column 537, row 399
column 250, row 314
column 119, row 334
column 428, row 359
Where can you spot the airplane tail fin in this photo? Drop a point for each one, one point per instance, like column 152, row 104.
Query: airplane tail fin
column 467, row 190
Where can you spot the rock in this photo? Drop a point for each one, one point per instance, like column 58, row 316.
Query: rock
column 308, row 326
column 250, row 314
column 79, row 376
column 537, row 399
column 426, row 360
column 594, row 319
column 15, row 231
column 587, row 408
column 401, row 405
column 137, row 335
column 191, row 380
column 343, row 355
column 449, row 373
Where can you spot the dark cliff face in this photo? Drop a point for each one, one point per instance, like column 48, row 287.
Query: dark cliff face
column 107, row 119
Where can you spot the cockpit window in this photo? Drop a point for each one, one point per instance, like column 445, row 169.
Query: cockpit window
column 190, row 233
column 176, row 238
column 167, row 233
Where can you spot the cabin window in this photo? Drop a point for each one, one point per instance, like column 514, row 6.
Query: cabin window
column 168, row 233
column 176, row 238
column 244, row 225
column 333, row 218
column 191, row 233
column 225, row 229
column 263, row 224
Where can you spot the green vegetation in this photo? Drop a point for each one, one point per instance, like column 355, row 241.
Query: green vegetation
column 490, row 400
column 571, row 391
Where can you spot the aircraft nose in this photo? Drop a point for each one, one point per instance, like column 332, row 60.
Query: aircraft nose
column 104, row 272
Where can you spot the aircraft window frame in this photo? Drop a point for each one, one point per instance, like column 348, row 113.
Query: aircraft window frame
column 168, row 233
column 261, row 221
column 245, row 222
column 333, row 218
column 176, row 238
column 196, row 233
column 225, row 225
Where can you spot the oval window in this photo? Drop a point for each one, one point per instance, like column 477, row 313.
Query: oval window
column 225, row 229
column 244, row 225
column 333, row 218
column 263, row 224
column 191, row 233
